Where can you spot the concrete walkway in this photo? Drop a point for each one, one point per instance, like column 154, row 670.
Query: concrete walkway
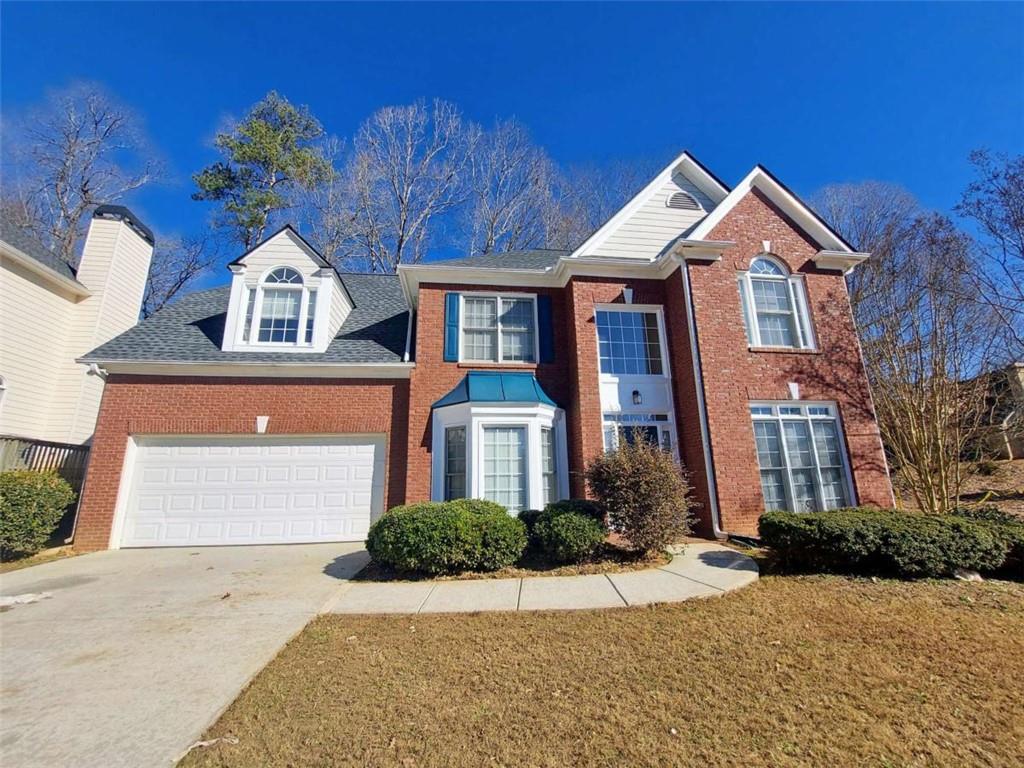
column 702, row 570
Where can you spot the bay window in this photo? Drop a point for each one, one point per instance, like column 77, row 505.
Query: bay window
column 454, row 463
column 801, row 457
column 774, row 306
column 548, row 465
column 505, row 467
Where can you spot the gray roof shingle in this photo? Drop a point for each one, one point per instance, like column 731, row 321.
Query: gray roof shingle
column 28, row 244
column 192, row 328
column 537, row 258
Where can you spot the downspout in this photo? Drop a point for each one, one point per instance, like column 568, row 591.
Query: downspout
column 705, row 437
column 408, row 338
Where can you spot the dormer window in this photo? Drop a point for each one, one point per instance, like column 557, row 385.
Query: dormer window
column 284, row 298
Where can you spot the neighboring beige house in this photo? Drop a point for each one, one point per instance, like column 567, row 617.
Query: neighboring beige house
column 52, row 313
column 1006, row 394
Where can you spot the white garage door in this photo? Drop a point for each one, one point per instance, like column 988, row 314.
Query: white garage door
column 253, row 490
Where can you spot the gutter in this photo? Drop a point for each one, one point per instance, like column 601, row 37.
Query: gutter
column 21, row 258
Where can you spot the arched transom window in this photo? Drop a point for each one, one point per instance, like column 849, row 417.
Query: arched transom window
column 774, row 306
column 281, row 310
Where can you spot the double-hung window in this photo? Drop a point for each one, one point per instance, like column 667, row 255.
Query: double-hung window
column 548, row 465
column 498, row 329
column 774, row 306
column 801, row 457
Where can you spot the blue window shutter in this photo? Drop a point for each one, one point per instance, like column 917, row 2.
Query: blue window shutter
column 451, row 327
column 544, row 329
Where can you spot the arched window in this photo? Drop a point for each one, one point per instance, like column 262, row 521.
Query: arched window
column 774, row 305
column 283, row 308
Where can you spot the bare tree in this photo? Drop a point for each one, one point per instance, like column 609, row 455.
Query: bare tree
column 409, row 168
column 177, row 262
column 327, row 210
column 512, row 195
column 927, row 336
column 994, row 201
column 80, row 149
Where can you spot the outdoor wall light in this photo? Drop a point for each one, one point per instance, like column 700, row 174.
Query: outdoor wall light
column 638, row 399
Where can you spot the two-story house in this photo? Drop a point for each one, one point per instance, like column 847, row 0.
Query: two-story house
column 297, row 404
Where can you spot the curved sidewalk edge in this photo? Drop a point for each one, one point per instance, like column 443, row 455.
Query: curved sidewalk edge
column 702, row 570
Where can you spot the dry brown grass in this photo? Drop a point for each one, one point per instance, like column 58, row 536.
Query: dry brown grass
column 46, row 556
column 815, row 671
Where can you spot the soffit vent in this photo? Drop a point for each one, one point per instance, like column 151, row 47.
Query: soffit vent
column 683, row 201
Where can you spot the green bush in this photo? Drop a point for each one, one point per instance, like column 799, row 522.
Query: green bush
column 447, row 537
column 584, row 507
column 885, row 542
column 1005, row 525
column 31, row 506
column 645, row 494
column 567, row 536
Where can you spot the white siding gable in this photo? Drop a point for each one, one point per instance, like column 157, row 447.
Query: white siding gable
column 646, row 226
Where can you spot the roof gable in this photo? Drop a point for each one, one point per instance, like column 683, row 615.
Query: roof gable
column 802, row 215
column 287, row 232
column 647, row 224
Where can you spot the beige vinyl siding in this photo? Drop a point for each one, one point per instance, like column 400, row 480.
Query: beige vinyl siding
column 49, row 395
column 340, row 307
column 284, row 250
column 34, row 315
column 653, row 226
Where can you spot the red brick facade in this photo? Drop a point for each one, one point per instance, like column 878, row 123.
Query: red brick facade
column 733, row 376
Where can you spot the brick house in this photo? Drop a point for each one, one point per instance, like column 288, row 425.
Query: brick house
column 298, row 403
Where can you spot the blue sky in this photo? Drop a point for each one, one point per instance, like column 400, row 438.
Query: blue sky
column 817, row 93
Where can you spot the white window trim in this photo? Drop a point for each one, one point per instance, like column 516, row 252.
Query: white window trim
column 797, row 289
column 658, row 310
column 475, row 417
column 779, row 419
column 257, row 312
column 532, row 297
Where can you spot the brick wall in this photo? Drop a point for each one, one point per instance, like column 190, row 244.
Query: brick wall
column 734, row 375
column 175, row 405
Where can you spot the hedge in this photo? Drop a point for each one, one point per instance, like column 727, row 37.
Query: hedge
column 447, row 537
column 886, row 542
column 31, row 506
column 565, row 536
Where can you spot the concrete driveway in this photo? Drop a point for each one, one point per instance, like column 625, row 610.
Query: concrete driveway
column 137, row 651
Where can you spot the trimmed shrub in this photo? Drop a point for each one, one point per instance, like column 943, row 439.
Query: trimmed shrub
column 886, row 542
column 645, row 494
column 1005, row 525
column 447, row 537
column 584, row 507
column 567, row 536
column 31, row 506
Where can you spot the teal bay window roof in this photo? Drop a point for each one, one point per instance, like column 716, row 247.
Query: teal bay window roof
column 496, row 387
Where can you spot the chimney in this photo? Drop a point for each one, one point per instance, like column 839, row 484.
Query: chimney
column 114, row 267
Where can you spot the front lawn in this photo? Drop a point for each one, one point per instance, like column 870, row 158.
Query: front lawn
column 791, row 671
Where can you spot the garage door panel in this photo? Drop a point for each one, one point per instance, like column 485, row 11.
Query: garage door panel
column 231, row 490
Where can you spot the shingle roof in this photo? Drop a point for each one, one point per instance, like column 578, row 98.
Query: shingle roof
column 538, row 258
column 192, row 328
column 28, row 244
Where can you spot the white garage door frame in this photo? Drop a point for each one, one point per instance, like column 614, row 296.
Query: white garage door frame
column 136, row 442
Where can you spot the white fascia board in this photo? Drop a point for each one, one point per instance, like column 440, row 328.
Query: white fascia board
column 844, row 261
column 800, row 213
column 38, row 268
column 259, row 370
column 688, row 249
column 687, row 166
